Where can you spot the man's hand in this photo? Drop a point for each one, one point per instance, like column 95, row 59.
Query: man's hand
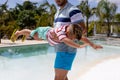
column 54, row 36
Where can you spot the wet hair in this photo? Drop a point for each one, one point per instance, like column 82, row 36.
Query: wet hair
column 75, row 29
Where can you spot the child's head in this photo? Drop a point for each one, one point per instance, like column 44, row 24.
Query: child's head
column 75, row 31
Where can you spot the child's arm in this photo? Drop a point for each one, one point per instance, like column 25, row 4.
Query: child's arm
column 71, row 43
column 84, row 45
column 85, row 40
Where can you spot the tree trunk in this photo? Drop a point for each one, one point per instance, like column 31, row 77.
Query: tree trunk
column 87, row 26
column 108, row 32
column 0, row 38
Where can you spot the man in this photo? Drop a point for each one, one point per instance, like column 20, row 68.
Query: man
column 65, row 55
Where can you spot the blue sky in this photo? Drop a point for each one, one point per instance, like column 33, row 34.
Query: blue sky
column 93, row 3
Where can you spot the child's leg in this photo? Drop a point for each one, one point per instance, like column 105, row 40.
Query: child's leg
column 36, row 37
column 25, row 32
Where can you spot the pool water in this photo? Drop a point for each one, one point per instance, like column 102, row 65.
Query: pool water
column 24, row 51
column 35, row 62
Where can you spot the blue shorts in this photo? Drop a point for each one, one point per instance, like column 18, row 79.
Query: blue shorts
column 64, row 60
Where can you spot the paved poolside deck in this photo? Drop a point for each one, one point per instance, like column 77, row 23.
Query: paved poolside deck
column 106, row 40
column 8, row 43
column 105, row 69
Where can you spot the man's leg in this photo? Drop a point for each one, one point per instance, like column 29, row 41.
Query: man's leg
column 61, row 74
column 63, row 64
column 66, row 78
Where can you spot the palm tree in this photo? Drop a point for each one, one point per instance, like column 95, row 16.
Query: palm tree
column 52, row 12
column 48, row 11
column 6, row 14
column 3, row 8
column 26, row 14
column 93, row 11
column 27, row 5
column 106, row 12
column 117, row 17
column 85, row 8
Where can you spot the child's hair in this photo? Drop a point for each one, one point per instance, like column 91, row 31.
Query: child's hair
column 76, row 30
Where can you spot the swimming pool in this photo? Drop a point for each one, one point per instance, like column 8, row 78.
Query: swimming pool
column 25, row 51
column 35, row 62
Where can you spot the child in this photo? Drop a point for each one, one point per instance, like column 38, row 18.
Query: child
column 54, row 36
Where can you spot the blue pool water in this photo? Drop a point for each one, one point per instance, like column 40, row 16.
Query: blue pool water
column 35, row 62
column 26, row 51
